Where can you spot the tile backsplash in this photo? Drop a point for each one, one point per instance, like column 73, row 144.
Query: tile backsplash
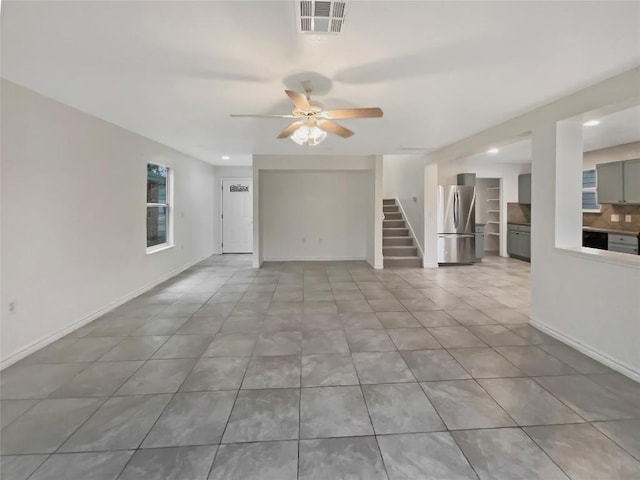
column 518, row 213
column 603, row 219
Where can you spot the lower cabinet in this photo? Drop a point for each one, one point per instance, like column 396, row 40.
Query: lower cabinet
column 519, row 241
column 622, row 243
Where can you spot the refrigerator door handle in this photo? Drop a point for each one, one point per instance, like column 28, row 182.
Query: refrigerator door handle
column 455, row 210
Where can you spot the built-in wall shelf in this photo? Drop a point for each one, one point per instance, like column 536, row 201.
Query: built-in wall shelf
column 489, row 210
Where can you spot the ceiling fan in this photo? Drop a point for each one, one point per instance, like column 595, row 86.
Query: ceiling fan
column 312, row 122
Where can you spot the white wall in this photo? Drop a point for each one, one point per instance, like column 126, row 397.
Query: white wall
column 220, row 172
column 316, row 215
column 587, row 298
column 73, row 218
column 403, row 179
column 315, row 164
column 507, row 172
column 611, row 154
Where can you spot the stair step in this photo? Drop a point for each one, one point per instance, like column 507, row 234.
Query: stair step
column 400, row 251
column 392, row 216
column 397, row 241
column 402, row 262
column 388, row 201
column 393, row 224
column 390, row 208
column 395, row 232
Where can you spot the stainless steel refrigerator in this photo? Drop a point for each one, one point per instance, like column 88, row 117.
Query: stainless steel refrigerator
column 456, row 224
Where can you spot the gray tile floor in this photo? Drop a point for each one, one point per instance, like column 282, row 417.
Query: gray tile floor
column 319, row 371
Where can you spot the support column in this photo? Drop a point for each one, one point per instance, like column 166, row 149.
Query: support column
column 568, row 166
column 430, row 246
column 378, row 259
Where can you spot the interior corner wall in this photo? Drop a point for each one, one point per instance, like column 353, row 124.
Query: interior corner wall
column 220, row 172
column 316, row 215
column 403, row 179
column 74, row 218
column 375, row 255
column 322, row 217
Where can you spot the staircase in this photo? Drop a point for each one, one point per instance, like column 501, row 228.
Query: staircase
column 398, row 247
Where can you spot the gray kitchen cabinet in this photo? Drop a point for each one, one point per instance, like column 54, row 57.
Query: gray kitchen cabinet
column 525, row 245
column 622, row 243
column 519, row 241
column 512, row 242
column 524, row 188
column 467, row 179
column 631, row 179
column 610, row 182
column 619, row 182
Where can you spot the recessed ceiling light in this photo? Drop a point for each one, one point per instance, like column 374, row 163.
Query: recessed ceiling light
column 493, row 150
column 591, row 123
column 226, row 157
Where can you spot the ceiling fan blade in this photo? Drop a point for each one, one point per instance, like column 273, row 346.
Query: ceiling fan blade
column 265, row 116
column 332, row 127
column 299, row 100
column 352, row 113
column 287, row 132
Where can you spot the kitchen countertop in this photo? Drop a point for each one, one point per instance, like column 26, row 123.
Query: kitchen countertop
column 611, row 230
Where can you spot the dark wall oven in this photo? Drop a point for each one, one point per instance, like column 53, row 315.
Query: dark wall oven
column 595, row 240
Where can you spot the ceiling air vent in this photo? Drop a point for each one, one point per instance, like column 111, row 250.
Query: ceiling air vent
column 315, row 16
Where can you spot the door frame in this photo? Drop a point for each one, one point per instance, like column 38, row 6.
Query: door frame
column 221, row 218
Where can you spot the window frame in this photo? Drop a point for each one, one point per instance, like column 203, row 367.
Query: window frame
column 168, row 205
column 593, row 190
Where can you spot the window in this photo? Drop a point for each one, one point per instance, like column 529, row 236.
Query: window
column 158, row 206
column 589, row 191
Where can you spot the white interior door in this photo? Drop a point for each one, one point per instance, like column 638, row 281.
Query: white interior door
column 237, row 215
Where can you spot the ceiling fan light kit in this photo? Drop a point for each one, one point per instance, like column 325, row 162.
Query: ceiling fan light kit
column 308, row 135
column 313, row 122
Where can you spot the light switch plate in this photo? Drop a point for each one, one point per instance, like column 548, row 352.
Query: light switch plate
column 615, row 217
column 627, row 218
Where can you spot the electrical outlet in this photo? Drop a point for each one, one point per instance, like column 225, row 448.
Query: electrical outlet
column 627, row 218
column 615, row 217
column 12, row 307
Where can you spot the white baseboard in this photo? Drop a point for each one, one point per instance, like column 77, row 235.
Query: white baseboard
column 316, row 259
column 37, row 345
column 589, row 351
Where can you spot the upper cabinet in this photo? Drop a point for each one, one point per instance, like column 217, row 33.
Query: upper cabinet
column 524, row 188
column 619, row 182
column 610, row 185
column 632, row 181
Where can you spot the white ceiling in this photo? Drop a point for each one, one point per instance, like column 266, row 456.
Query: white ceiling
column 614, row 129
column 516, row 152
column 174, row 71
